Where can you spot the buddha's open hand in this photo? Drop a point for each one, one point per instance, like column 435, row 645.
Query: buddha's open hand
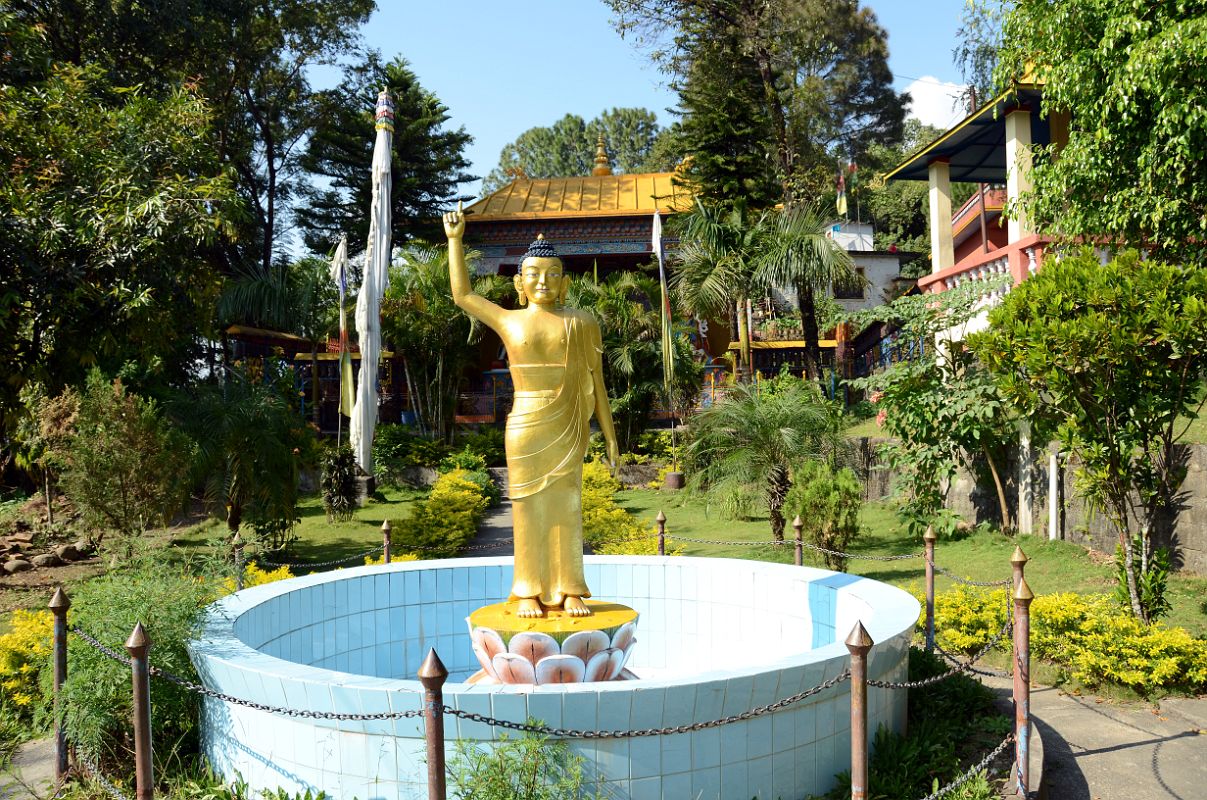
column 454, row 223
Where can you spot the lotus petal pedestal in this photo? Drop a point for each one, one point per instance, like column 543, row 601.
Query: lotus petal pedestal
column 556, row 648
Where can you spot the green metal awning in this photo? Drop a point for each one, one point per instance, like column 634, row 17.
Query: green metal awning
column 975, row 149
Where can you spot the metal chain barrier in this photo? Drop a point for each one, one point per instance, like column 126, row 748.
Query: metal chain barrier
column 985, row 584
column 571, row 733
column 308, row 565
column 962, row 666
column 93, row 770
column 967, row 665
column 121, row 658
column 971, row 771
column 791, row 543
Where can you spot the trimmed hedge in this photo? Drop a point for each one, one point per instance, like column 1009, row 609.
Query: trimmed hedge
column 1090, row 636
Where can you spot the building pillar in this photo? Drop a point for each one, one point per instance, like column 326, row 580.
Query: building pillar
column 1026, row 488
column 942, row 251
column 1018, row 171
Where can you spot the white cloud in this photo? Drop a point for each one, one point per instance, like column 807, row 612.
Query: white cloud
column 935, row 102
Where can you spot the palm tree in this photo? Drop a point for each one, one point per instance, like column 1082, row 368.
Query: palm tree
column 715, row 270
column 626, row 305
column 795, row 251
column 751, row 441
column 436, row 339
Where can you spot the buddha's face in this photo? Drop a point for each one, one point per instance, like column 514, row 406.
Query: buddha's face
column 542, row 281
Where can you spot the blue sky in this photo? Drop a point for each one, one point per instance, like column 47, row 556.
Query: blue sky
column 503, row 66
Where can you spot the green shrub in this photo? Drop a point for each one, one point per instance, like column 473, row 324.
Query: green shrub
column 1090, row 637
column 486, row 484
column 465, row 459
column 339, row 484
column 125, row 465
column 531, row 767
column 828, row 503
column 447, row 520
column 488, row 443
column 98, row 703
column 657, row 444
column 397, row 447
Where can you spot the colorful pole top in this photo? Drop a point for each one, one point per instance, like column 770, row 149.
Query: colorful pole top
column 385, row 112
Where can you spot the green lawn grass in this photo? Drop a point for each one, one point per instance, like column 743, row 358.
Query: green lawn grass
column 317, row 539
column 983, row 556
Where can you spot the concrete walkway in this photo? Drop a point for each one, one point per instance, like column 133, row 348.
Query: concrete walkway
column 1095, row 749
column 32, row 775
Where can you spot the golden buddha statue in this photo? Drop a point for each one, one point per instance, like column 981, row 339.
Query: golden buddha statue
column 557, row 371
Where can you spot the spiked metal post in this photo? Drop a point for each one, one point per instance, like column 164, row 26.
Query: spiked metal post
column 661, row 520
column 929, row 540
column 237, row 544
column 798, row 556
column 138, row 646
column 432, row 674
column 1022, row 686
column 385, row 540
column 859, row 643
column 58, row 606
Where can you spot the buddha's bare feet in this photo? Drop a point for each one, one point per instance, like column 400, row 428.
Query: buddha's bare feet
column 575, row 607
column 529, row 607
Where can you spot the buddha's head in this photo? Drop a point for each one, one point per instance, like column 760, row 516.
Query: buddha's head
column 541, row 279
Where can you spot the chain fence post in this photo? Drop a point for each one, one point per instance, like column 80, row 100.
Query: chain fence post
column 1018, row 563
column 432, row 674
column 798, row 555
column 929, row 538
column 138, row 646
column 237, row 544
column 59, row 604
column 385, row 541
column 661, row 520
column 859, row 643
column 1022, row 685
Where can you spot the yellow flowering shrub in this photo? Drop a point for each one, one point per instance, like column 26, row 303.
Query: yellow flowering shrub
column 660, row 480
column 1089, row 635
column 608, row 528
column 23, row 651
column 254, row 575
column 447, row 520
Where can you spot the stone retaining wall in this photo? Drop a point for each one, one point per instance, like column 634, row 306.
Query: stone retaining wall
column 976, row 501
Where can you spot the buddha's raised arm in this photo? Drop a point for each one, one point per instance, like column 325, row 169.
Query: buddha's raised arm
column 463, row 292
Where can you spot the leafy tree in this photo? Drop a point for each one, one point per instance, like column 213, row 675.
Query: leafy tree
column 427, row 160
column 978, row 41
column 940, row 407
column 125, row 466
column 435, row 338
column 297, row 297
column 110, row 198
column 750, row 442
column 248, row 59
column 1131, row 76
column 823, row 87
column 1113, row 354
column 898, row 209
column 567, row 147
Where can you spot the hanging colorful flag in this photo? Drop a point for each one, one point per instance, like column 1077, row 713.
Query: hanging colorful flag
column 841, row 200
column 668, row 351
column 339, row 274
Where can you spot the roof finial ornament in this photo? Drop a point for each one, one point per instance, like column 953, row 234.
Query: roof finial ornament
column 603, row 165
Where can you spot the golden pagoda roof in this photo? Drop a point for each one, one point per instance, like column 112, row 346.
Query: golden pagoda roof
column 590, row 196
